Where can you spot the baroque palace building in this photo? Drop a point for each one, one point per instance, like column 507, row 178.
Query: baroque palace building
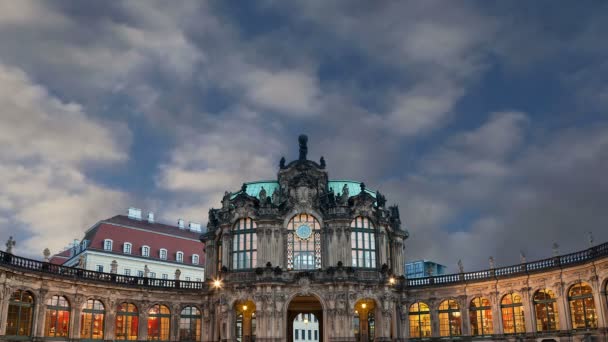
column 307, row 246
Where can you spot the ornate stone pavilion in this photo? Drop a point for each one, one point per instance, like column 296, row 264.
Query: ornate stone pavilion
column 306, row 244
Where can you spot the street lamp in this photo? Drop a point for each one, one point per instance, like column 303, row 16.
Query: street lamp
column 217, row 283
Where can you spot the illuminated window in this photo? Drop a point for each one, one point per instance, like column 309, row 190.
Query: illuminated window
column 163, row 254
column 512, row 310
column 127, row 248
column 159, row 318
column 20, row 312
column 218, row 252
column 480, row 314
column 371, row 325
column 145, row 251
column 190, row 324
column 127, row 322
column 107, row 244
column 363, row 243
column 92, row 320
column 303, row 243
column 195, row 259
column 545, row 309
column 420, row 320
column 179, row 256
column 244, row 244
column 57, row 322
column 450, row 320
column 582, row 306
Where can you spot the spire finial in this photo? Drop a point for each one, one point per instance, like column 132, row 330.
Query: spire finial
column 303, row 140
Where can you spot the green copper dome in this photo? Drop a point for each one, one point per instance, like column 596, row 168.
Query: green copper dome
column 254, row 188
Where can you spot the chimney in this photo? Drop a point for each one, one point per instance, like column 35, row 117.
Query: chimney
column 180, row 224
column 151, row 217
column 134, row 213
column 195, row 227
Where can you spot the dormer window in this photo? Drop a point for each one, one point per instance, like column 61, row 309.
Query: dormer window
column 163, row 254
column 145, row 251
column 127, row 248
column 107, row 245
column 195, row 259
column 179, row 257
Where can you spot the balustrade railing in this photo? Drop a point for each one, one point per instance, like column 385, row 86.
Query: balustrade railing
column 21, row 263
column 332, row 274
column 514, row 270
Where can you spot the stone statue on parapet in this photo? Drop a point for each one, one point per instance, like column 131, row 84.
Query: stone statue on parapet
column 522, row 257
column 46, row 253
column 282, row 163
column 492, row 263
column 146, row 271
column 303, row 140
column 10, row 244
column 460, row 266
column 590, row 236
column 322, row 162
column 555, row 249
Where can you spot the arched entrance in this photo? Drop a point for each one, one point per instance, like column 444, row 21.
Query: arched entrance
column 305, row 313
column 245, row 321
column 364, row 320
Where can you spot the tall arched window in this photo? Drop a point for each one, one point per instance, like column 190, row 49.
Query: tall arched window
column 303, row 243
column 57, row 321
column 582, row 306
column 190, row 324
column 159, row 318
column 92, row 320
column 127, row 322
column 20, row 312
column 512, row 310
column 545, row 309
column 480, row 314
column 450, row 320
column 363, row 243
column 420, row 320
column 244, row 244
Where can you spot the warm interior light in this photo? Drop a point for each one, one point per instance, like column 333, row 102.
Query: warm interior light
column 357, row 312
column 364, row 305
column 456, row 314
column 391, row 280
column 244, row 307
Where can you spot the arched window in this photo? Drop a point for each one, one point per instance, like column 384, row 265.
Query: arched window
column 107, row 244
column 582, row 306
column 450, row 321
column 363, row 243
column 127, row 322
column 303, row 243
column 20, row 312
column 127, row 248
column 159, row 318
column 512, row 310
column 92, row 320
column 420, row 320
column 145, row 251
column 371, row 325
column 545, row 309
column 163, row 253
column 190, row 324
column 244, row 244
column 179, row 256
column 57, row 321
column 480, row 314
column 195, row 259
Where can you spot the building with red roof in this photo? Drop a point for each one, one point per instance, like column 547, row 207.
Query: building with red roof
column 131, row 245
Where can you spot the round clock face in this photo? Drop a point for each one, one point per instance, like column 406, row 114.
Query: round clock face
column 303, row 232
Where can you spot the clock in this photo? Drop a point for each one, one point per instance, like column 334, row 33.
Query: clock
column 303, row 231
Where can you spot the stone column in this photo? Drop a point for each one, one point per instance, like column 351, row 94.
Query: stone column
column 603, row 306
column 599, row 301
column 110, row 320
column 563, row 308
column 4, row 302
column 464, row 314
column 39, row 314
column 381, row 253
column 142, row 331
column 174, row 325
column 226, row 248
column 434, row 307
column 75, row 316
column 528, row 306
column 496, row 313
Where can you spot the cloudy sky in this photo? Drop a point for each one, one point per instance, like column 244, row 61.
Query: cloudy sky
column 486, row 123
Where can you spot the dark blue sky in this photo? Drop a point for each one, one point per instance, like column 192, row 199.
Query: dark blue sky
column 485, row 122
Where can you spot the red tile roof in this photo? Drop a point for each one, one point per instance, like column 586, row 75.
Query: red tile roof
column 61, row 257
column 121, row 229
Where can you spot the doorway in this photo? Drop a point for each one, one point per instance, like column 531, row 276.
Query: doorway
column 304, row 319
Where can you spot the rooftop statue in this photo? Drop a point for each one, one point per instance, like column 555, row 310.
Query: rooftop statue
column 303, row 140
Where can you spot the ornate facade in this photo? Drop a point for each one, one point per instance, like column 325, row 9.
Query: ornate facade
column 306, row 244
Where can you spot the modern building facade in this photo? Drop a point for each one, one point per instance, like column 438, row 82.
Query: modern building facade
column 423, row 268
column 299, row 247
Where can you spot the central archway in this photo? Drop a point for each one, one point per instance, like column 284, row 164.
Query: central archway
column 309, row 312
